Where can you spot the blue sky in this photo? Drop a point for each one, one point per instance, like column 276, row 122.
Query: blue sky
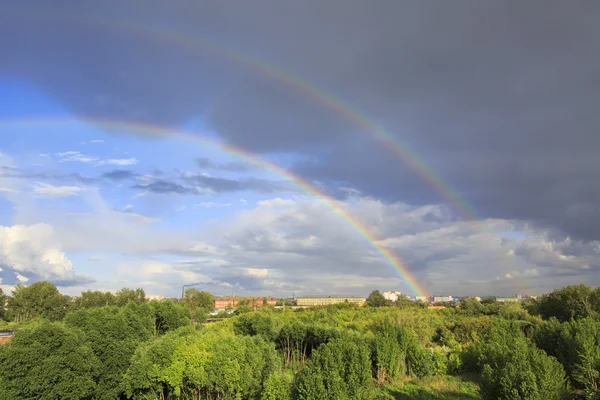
column 511, row 128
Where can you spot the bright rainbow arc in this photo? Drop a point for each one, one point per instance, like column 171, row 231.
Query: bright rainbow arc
column 302, row 184
column 320, row 96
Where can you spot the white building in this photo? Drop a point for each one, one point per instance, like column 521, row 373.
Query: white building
column 422, row 298
column 440, row 299
column 392, row 296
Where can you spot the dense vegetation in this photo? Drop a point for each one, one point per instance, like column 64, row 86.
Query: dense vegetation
column 105, row 346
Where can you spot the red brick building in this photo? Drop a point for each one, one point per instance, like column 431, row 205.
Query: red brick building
column 5, row 336
column 222, row 303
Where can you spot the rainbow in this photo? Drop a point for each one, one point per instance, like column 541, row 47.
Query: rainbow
column 302, row 184
column 320, row 96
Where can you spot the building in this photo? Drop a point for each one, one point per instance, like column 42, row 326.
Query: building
column 517, row 298
column 222, row 303
column 442, row 299
column 422, row 298
column 5, row 336
column 392, row 295
column 325, row 301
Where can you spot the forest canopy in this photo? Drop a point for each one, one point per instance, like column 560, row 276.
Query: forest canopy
column 110, row 346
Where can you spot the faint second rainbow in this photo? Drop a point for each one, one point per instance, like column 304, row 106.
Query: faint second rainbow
column 302, row 184
column 310, row 90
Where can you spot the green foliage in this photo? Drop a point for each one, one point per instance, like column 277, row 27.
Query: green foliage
column 90, row 299
column 435, row 388
column 256, row 324
column 297, row 340
column 125, row 295
column 169, row 316
column 198, row 302
column 113, row 334
column 278, row 386
column 571, row 302
column 389, row 355
column 576, row 345
column 376, row 299
column 48, row 361
column 512, row 368
column 150, row 350
column 3, row 299
column 340, row 369
column 211, row 364
column 38, row 300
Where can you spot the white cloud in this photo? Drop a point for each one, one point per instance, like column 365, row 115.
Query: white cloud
column 277, row 202
column 122, row 162
column 47, row 190
column 34, row 249
column 259, row 272
column 76, row 156
column 93, row 141
column 210, row 204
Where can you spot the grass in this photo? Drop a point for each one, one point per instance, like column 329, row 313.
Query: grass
column 435, row 388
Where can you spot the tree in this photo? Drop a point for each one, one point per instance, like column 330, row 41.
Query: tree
column 376, row 299
column 471, row 306
column 340, row 369
column 38, row 300
column 3, row 299
column 113, row 334
column 48, row 361
column 199, row 303
column 567, row 303
column 169, row 316
column 125, row 295
column 214, row 364
column 513, row 368
column 89, row 299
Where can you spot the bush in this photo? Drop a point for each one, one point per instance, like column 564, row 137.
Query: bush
column 512, row 368
column 48, row 361
column 337, row 370
column 278, row 386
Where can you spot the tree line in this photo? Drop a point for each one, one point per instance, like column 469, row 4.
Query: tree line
column 121, row 346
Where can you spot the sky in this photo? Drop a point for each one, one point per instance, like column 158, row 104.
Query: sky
column 277, row 148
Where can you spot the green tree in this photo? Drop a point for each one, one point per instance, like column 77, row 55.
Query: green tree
column 243, row 307
column 38, row 300
column 512, row 368
column 278, row 386
column 48, row 361
column 196, row 299
column 113, row 334
column 3, row 299
column 376, row 299
column 125, row 295
column 89, row 299
column 169, row 316
column 567, row 303
column 471, row 306
column 340, row 369
column 389, row 356
column 209, row 365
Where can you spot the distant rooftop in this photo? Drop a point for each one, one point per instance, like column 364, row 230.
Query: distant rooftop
column 330, row 297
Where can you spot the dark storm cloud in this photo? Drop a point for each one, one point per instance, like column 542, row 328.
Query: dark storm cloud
column 199, row 184
column 499, row 97
column 207, row 163
column 9, row 276
column 165, row 187
column 119, row 174
column 10, row 172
